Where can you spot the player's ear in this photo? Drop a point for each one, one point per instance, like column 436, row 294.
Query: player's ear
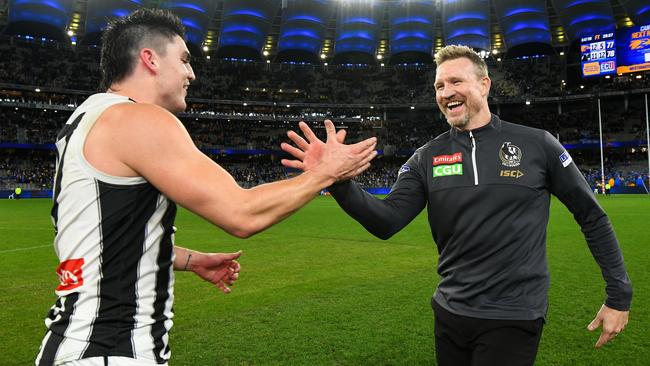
column 148, row 58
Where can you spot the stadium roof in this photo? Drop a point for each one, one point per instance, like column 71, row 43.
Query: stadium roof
column 342, row 30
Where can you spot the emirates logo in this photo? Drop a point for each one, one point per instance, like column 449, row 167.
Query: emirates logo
column 70, row 274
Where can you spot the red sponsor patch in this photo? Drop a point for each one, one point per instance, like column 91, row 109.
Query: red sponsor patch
column 70, row 275
column 448, row 159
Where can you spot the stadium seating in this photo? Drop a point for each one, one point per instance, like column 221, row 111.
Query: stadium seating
column 239, row 112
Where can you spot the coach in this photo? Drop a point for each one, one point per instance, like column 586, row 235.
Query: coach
column 486, row 184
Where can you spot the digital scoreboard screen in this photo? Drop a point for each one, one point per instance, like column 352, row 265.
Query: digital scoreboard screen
column 598, row 54
column 633, row 49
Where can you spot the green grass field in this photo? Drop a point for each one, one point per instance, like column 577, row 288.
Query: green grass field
column 317, row 289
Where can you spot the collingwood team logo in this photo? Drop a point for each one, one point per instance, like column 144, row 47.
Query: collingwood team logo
column 510, row 155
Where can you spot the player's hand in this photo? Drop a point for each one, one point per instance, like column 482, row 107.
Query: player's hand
column 332, row 158
column 221, row 269
column 613, row 322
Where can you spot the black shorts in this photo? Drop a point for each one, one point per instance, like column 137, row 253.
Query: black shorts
column 462, row 340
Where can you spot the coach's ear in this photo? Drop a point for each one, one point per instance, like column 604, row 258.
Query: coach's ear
column 485, row 86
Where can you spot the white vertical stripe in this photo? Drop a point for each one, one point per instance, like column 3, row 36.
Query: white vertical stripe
column 146, row 284
column 168, row 311
column 88, row 246
column 42, row 348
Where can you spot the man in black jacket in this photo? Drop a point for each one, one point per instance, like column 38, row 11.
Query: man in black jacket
column 486, row 184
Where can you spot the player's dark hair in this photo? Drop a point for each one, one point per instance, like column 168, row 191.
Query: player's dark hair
column 125, row 37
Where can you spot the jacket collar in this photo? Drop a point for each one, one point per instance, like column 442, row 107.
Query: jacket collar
column 493, row 125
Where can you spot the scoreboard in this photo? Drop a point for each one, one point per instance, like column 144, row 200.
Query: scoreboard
column 634, row 49
column 598, row 54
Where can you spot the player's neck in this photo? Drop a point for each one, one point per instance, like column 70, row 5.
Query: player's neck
column 139, row 91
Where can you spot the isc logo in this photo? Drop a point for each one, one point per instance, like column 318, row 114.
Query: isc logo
column 511, row 173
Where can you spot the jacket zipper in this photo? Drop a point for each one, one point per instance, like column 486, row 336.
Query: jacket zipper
column 471, row 137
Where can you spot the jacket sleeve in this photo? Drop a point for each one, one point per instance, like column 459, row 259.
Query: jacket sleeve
column 567, row 183
column 385, row 217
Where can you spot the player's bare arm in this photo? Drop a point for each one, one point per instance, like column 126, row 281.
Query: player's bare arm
column 146, row 140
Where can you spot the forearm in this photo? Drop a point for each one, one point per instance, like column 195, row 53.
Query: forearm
column 244, row 212
column 382, row 218
column 604, row 246
column 272, row 202
column 183, row 258
column 606, row 251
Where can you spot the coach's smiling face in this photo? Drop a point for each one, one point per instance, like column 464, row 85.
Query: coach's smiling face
column 461, row 94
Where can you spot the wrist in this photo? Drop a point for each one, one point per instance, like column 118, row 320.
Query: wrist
column 326, row 180
column 321, row 179
column 186, row 267
column 185, row 260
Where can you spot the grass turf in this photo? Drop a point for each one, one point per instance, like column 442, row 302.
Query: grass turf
column 318, row 290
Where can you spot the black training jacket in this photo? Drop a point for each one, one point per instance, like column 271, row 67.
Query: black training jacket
column 487, row 192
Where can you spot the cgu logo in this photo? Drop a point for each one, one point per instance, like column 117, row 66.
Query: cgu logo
column 70, row 274
column 511, row 173
column 445, row 170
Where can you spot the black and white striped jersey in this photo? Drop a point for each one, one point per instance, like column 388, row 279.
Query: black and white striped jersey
column 114, row 240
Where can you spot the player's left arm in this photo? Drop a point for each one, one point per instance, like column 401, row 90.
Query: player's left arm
column 567, row 183
column 220, row 269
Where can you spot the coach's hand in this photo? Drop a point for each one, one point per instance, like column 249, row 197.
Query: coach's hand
column 332, row 157
column 613, row 322
column 218, row 268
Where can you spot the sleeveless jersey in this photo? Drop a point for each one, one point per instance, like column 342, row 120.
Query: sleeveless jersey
column 114, row 240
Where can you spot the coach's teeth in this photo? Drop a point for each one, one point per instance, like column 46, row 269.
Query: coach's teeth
column 453, row 105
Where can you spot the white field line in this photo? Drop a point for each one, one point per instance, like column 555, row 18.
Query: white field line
column 21, row 249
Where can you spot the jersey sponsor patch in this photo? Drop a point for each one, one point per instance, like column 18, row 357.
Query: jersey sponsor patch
column 511, row 173
column 70, row 274
column 565, row 159
column 403, row 169
column 446, row 170
column 448, row 159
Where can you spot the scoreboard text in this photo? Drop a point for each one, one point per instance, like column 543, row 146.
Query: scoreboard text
column 598, row 54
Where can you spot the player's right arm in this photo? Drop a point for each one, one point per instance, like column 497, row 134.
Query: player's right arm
column 146, row 140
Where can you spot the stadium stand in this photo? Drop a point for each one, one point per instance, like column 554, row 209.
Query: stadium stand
column 239, row 112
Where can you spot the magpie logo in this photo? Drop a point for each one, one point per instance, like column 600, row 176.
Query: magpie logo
column 510, row 154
